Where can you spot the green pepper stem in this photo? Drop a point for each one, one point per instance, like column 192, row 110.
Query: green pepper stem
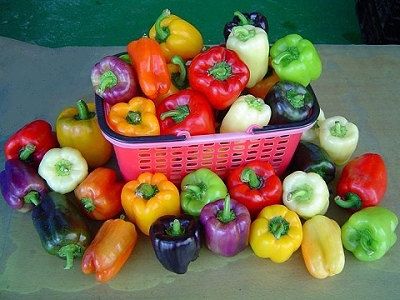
column 88, row 204
column 83, row 111
column 26, row 152
column 251, row 178
column 125, row 58
column 254, row 102
column 178, row 115
column 242, row 18
column 195, row 189
column 295, row 98
column 287, row 56
column 278, row 226
column 63, row 167
column 338, row 130
column 226, row 215
column 107, row 80
column 243, row 34
column 221, row 71
column 301, row 194
column 32, row 197
column 134, row 117
column 162, row 33
column 365, row 242
column 69, row 252
column 176, row 229
column 179, row 81
column 351, row 201
column 146, row 191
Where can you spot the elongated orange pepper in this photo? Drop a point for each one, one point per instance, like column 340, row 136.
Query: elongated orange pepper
column 151, row 66
column 149, row 197
column 135, row 118
column 110, row 249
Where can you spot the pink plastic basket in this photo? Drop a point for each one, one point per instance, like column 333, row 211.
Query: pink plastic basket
column 176, row 156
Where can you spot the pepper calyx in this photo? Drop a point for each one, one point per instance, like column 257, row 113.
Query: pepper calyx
column 221, row 71
column 278, row 226
column 146, row 191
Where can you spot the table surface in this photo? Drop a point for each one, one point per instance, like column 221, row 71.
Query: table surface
column 361, row 83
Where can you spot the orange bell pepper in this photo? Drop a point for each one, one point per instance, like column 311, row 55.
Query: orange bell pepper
column 135, row 118
column 110, row 249
column 149, row 197
column 99, row 195
column 261, row 89
column 151, row 66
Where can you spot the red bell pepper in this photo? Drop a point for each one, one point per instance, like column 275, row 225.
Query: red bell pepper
column 220, row 75
column 363, row 182
column 187, row 110
column 255, row 185
column 31, row 142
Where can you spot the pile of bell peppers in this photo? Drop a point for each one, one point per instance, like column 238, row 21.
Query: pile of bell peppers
column 167, row 83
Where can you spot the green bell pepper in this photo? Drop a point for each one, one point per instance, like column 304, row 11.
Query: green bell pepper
column 370, row 233
column 200, row 188
column 295, row 59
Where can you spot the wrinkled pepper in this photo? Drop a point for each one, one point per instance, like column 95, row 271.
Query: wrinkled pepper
column 295, row 59
column 21, row 186
column 176, row 36
column 149, row 197
column 362, row 183
column 61, row 228
column 78, row 128
column 370, row 233
column 151, row 67
column 312, row 135
column 254, row 18
column 322, row 247
column 226, row 224
column 31, row 142
column 99, row 194
column 199, row 188
column 63, row 169
column 220, row 75
column 276, row 233
column 255, row 185
column 135, row 118
column 110, row 249
column 261, row 88
column 176, row 241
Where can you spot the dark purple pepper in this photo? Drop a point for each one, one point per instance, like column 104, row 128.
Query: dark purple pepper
column 21, row 186
column 254, row 18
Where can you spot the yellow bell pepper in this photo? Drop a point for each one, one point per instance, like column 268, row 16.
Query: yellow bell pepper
column 149, row 197
column 322, row 247
column 276, row 233
column 176, row 36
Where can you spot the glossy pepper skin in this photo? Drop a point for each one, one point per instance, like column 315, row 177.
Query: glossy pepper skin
column 151, row 67
column 254, row 18
column 187, row 110
column 370, row 233
column 31, row 142
column 110, row 249
column 322, row 247
column 21, row 186
column 149, row 197
column 362, row 183
column 276, row 233
column 199, row 188
column 220, row 75
column 77, row 127
column 176, row 36
column 176, row 241
column 255, row 185
column 226, row 224
column 289, row 102
column 60, row 227
column 261, row 88
column 99, row 194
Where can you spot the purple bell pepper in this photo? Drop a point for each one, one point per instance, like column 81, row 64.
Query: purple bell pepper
column 226, row 224
column 114, row 80
column 21, row 186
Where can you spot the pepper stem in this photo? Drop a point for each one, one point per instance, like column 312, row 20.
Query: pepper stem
column 251, row 178
column 287, row 56
column 63, row 167
column 221, row 71
column 226, row 215
column 134, row 117
column 175, row 229
column 243, row 34
column 178, row 115
column 180, row 81
column 351, row 201
column 83, row 111
column 107, row 80
column 242, row 18
column 278, row 226
column 365, row 242
column 295, row 98
column 338, row 130
column 88, row 204
column 32, row 197
column 69, row 252
column 254, row 102
column 26, row 152
column 195, row 188
column 125, row 58
column 162, row 33
column 146, row 191
column 301, row 194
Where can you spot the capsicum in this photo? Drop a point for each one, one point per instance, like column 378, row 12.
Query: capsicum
column 31, row 142
column 149, row 197
column 220, row 75
column 370, row 233
column 110, row 249
column 261, row 88
column 99, row 194
column 176, row 36
column 77, row 127
column 252, row 46
column 306, row 193
column 135, row 118
column 296, row 59
column 255, row 185
column 256, row 111
column 276, row 233
column 63, row 169
column 21, row 186
column 226, row 224
column 339, row 138
column 362, row 183
column 60, row 227
column 187, row 110
column 176, row 241
column 322, row 247
column 199, row 188
column 254, row 18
